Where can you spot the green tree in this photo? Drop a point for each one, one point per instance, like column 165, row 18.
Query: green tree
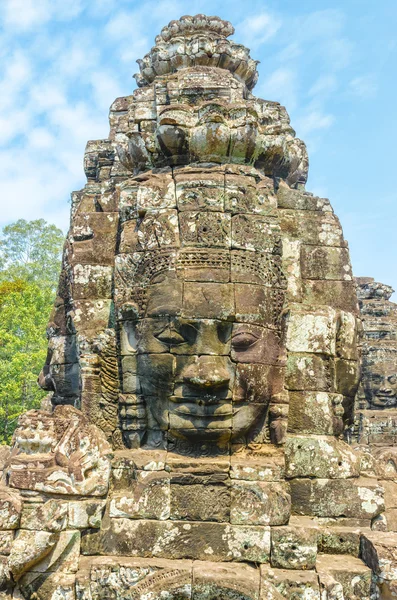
column 30, row 254
column 31, row 251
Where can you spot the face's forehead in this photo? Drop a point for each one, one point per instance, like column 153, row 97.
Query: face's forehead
column 224, row 301
column 384, row 369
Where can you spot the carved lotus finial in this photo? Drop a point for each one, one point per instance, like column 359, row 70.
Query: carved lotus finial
column 198, row 41
column 188, row 25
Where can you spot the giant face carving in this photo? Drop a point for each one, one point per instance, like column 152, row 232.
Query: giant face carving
column 381, row 385
column 201, row 343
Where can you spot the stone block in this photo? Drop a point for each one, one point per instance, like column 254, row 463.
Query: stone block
column 180, row 540
column 200, row 502
column 203, row 465
column 259, row 503
column 300, row 200
column 317, row 413
column 91, row 281
column 208, row 300
column 147, row 498
column 325, row 263
column 130, row 375
column 291, row 267
column 6, row 538
column 391, row 519
column 205, row 229
column 257, row 383
column 358, row 498
column 339, row 540
column 379, row 552
column 108, row 577
column 347, row 375
column 309, row 372
column 92, row 315
column 62, row 349
column 323, row 457
column 226, row 581
column 204, row 264
column 312, row 227
column 353, row 575
column 85, row 513
column 250, row 232
column 339, row 295
column 200, row 193
column 29, row 549
column 45, row 586
column 157, row 228
column 154, row 374
column 164, row 297
column 94, row 239
column 269, row 467
column 312, row 330
column 292, row 584
column 347, row 336
column 258, row 304
column 49, row 516
column 293, row 547
column 10, row 508
column 390, row 488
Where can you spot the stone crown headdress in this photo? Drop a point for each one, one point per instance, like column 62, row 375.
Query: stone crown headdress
column 197, row 41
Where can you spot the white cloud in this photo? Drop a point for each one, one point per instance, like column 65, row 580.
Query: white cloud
column 321, row 24
column 313, row 121
column 41, row 138
column 364, row 86
column 324, row 85
column 258, row 29
column 281, row 86
column 24, row 15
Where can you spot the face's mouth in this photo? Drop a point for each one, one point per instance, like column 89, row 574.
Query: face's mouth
column 199, row 407
column 386, row 397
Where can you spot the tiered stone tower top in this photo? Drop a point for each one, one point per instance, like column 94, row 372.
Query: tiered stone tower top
column 198, row 41
column 202, row 361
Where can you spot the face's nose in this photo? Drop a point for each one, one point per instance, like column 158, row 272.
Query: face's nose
column 208, row 373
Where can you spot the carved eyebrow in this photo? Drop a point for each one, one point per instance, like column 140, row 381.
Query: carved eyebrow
column 164, row 311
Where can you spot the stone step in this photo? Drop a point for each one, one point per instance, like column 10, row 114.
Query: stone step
column 379, row 552
column 343, row 577
column 334, row 536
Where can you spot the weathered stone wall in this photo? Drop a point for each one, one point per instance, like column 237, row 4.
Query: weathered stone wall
column 376, row 402
column 203, row 362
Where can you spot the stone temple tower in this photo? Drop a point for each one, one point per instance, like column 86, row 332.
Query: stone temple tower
column 202, row 363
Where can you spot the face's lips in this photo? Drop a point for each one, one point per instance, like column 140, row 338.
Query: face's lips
column 200, row 408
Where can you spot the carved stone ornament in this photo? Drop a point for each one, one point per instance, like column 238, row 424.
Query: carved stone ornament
column 203, row 364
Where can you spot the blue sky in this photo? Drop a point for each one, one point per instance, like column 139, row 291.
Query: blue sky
column 332, row 63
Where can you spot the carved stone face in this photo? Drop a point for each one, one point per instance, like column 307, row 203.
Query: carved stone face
column 200, row 290
column 202, row 371
column 381, row 386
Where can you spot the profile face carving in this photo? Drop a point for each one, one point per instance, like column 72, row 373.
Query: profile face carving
column 200, row 317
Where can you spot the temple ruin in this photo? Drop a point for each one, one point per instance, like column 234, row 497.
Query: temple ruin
column 200, row 439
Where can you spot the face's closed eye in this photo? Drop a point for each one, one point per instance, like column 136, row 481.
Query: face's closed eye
column 392, row 379
column 177, row 332
column 243, row 340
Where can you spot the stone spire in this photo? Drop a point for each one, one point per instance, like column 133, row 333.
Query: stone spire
column 193, row 42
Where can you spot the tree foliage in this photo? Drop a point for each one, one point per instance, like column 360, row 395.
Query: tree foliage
column 30, row 250
column 30, row 254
